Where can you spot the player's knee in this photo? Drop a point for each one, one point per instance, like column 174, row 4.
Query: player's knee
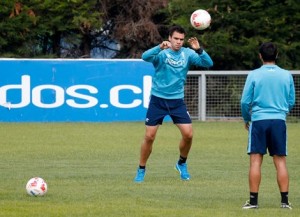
column 150, row 137
column 188, row 136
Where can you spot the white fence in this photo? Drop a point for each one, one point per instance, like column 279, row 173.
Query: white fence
column 215, row 95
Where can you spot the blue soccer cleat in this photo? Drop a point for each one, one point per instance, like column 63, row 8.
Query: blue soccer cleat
column 182, row 169
column 140, row 175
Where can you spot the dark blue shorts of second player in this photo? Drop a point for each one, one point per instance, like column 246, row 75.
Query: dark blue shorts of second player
column 159, row 108
column 268, row 135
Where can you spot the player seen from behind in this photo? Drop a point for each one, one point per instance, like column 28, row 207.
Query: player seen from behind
column 268, row 96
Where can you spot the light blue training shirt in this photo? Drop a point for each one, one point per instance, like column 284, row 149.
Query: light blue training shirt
column 171, row 68
column 269, row 93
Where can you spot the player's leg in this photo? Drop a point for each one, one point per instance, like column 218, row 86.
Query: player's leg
column 257, row 147
column 282, row 173
column 255, row 172
column 154, row 117
column 254, row 178
column 185, row 144
column 282, row 180
column 181, row 118
column 146, row 146
column 146, row 149
column 278, row 149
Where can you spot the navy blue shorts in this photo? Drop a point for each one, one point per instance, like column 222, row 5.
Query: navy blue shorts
column 159, row 108
column 268, row 135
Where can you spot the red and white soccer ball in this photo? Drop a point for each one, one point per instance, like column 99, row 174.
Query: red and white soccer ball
column 36, row 187
column 200, row 19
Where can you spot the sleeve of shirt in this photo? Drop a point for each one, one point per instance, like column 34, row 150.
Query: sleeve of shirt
column 247, row 99
column 292, row 94
column 201, row 59
column 151, row 54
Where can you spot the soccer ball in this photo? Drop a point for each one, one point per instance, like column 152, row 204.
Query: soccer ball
column 200, row 19
column 36, row 187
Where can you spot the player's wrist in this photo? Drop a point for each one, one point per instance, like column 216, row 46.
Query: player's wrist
column 160, row 47
column 199, row 50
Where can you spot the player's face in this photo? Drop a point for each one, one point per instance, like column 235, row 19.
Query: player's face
column 176, row 40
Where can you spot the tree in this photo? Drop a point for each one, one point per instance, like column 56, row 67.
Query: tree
column 32, row 28
column 134, row 24
column 71, row 28
column 17, row 21
column 53, row 28
column 239, row 27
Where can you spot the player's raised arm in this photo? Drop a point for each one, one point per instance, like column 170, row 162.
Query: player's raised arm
column 165, row 45
column 194, row 43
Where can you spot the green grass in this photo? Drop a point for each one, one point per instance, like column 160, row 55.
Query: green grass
column 89, row 168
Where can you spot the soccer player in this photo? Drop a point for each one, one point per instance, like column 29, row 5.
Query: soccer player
column 171, row 62
column 268, row 95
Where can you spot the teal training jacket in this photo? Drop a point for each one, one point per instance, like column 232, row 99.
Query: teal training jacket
column 269, row 93
column 171, row 68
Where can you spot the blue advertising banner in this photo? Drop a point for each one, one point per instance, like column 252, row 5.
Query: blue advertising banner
column 74, row 90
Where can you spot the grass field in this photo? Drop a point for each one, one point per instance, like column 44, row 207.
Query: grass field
column 89, row 168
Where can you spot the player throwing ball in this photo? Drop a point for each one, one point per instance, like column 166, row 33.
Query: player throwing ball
column 171, row 62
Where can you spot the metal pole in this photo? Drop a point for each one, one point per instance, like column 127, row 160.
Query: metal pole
column 202, row 97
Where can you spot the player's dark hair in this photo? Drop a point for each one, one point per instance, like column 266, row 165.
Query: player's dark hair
column 176, row 28
column 268, row 51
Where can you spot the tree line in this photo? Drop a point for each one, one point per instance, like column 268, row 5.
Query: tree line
column 126, row 28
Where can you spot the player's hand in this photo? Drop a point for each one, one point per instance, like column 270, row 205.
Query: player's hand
column 247, row 126
column 165, row 45
column 194, row 43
